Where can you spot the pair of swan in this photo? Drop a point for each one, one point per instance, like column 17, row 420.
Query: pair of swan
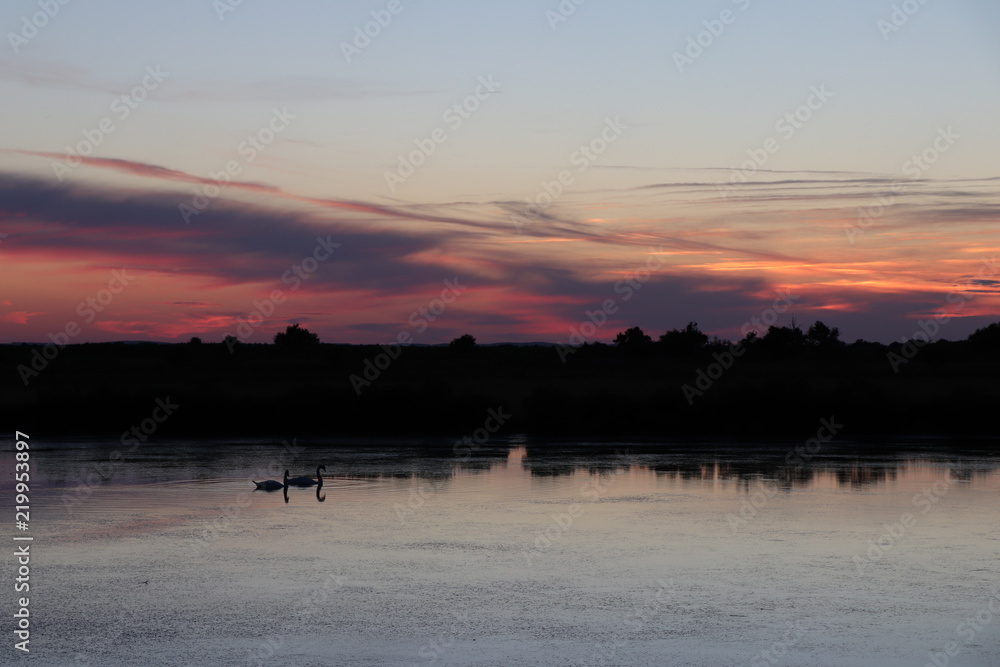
column 274, row 485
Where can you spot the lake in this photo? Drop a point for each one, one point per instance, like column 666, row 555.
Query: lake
column 526, row 552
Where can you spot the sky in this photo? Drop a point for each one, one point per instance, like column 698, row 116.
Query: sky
column 521, row 171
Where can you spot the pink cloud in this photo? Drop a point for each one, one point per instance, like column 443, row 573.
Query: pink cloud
column 19, row 316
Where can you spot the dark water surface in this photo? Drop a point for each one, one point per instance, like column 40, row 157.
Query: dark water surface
column 524, row 553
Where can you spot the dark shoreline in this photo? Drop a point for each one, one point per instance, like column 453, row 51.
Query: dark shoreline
column 948, row 389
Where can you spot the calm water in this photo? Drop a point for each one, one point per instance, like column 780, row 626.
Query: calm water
column 529, row 553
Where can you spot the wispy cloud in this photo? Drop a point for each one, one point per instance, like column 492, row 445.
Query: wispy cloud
column 392, row 256
column 19, row 316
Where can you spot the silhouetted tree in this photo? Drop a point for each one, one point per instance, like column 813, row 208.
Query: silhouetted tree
column 686, row 341
column 463, row 343
column 194, row 341
column 823, row 336
column 295, row 336
column 632, row 338
column 232, row 343
column 783, row 340
column 986, row 339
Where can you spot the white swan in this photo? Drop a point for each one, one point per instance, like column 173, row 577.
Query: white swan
column 308, row 481
column 272, row 485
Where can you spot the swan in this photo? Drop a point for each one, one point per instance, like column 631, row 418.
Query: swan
column 273, row 485
column 308, row 481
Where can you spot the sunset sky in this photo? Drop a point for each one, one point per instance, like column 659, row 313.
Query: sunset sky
column 731, row 170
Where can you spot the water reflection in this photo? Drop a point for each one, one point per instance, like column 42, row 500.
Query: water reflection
column 87, row 468
column 320, row 494
column 297, row 482
column 837, row 467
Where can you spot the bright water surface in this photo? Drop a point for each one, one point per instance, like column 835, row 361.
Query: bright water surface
column 530, row 553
